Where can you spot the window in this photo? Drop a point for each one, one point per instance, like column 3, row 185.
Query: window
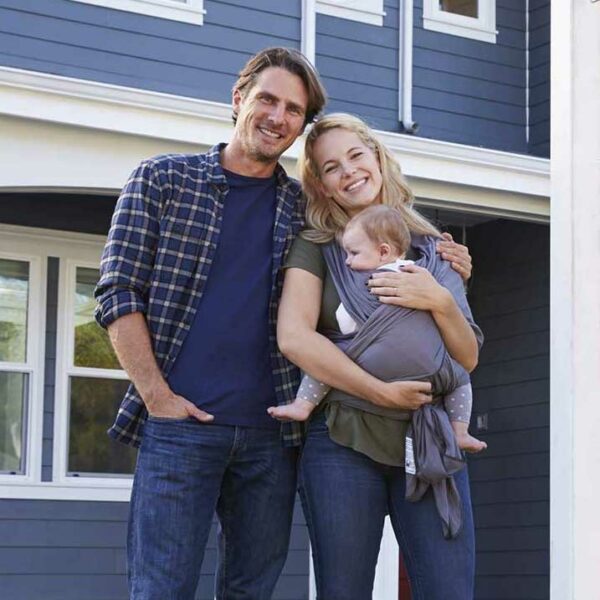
column 365, row 11
column 475, row 19
column 467, row 8
column 187, row 11
column 14, row 301
column 53, row 420
column 92, row 385
column 20, row 365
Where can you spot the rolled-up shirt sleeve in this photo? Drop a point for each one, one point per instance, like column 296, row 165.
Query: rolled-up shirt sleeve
column 128, row 257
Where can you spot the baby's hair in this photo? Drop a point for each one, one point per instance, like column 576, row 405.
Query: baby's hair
column 383, row 224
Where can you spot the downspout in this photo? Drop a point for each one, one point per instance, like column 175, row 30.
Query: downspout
column 527, row 64
column 309, row 30
column 405, row 66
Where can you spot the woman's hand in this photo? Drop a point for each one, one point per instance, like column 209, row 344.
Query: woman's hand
column 407, row 395
column 413, row 287
column 457, row 254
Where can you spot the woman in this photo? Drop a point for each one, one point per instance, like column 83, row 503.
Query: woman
column 345, row 494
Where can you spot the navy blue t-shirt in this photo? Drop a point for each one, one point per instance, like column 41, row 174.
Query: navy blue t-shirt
column 224, row 364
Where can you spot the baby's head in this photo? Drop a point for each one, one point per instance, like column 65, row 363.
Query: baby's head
column 374, row 237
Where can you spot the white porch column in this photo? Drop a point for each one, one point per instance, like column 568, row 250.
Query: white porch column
column 575, row 300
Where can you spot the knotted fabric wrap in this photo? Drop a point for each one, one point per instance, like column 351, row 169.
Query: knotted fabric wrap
column 394, row 343
column 437, row 457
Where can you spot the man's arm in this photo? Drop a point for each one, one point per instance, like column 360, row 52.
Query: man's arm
column 125, row 274
column 131, row 340
column 315, row 354
column 128, row 258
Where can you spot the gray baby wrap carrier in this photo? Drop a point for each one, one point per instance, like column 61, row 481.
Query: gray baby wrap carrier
column 394, row 343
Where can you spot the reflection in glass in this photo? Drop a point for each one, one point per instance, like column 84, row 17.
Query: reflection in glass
column 94, row 404
column 467, row 8
column 13, row 402
column 92, row 345
column 14, row 293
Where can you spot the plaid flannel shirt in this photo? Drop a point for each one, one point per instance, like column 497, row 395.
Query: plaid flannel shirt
column 162, row 240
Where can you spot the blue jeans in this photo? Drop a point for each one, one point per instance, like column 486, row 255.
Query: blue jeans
column 346, row 497
column 185, row 472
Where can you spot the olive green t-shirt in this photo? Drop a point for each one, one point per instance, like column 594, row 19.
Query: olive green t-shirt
column 380, row 438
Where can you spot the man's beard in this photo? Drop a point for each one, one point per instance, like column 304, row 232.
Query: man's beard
column 255, row 152
column 253, row 147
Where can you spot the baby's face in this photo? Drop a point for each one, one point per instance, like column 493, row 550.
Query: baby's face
column 362, row 254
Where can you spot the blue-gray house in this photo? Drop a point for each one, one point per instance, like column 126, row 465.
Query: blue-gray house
column 459, row 90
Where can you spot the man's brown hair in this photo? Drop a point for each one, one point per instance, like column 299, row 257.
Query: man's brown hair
column 293, row 61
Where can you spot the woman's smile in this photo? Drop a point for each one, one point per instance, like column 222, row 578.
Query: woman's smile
column 355, row 185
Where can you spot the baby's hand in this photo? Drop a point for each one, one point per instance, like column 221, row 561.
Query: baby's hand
column 298, row 410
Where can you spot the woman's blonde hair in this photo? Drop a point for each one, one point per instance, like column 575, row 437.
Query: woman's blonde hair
column 324, row 217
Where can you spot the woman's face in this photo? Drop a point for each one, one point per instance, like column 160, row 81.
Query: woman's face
column 348, row 170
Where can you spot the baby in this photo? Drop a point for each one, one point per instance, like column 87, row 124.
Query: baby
column 378, row 239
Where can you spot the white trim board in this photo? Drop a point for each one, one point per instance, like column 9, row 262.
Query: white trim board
column 185, row 11
column 54, row 491
column 365, row 11
column 574, row 293
column 143, row 115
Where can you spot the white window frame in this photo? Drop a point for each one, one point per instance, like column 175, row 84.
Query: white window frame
column 364, row 11
column 482, row 28
column 33, row 366
column 185, row 11
column 37, row 245
column 65, row 369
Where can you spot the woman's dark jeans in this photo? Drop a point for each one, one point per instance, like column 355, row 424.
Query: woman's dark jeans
column 346, row 497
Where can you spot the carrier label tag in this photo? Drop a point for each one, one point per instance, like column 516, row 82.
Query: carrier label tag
column 409, row 457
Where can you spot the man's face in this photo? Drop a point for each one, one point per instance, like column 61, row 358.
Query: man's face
column 271, row 115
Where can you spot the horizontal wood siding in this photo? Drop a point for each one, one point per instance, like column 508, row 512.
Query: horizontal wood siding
column 76, row 551
column 359, row 66
column 468, row 91
column 510, row 480
column 464, row 91
column 112, row 46
column 539, row 77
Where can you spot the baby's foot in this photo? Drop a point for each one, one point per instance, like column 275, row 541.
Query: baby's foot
column 298, row 410
column 468, row 443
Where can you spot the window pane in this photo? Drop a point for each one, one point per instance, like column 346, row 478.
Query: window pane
column 468, row 8
column 13, row 403
column 92, row 345
column 94, row 404
column 14, row 293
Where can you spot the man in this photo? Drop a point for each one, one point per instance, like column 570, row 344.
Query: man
column 190, row 280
